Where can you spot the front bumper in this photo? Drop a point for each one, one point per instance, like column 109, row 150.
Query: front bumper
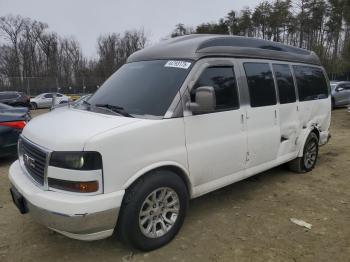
column 79, row 217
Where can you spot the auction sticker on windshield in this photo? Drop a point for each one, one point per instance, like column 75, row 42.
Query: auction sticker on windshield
column 178, row 64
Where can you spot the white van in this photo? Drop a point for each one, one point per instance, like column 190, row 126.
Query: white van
column 178, row 120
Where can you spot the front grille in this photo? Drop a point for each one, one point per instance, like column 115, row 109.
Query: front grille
column 34, row 160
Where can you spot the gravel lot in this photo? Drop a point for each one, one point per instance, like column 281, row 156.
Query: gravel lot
column 247, row 221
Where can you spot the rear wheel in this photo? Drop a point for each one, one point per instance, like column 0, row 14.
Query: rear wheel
column 153, row 210
column 308, row 161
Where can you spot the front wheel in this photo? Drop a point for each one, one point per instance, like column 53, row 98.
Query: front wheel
column 310, row 153
column 153, row 210
column 33, row 106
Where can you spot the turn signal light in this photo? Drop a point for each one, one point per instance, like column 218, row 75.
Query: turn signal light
column 73, row 186
column 14, row 124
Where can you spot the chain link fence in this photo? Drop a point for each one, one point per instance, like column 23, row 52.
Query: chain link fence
column 33, row 86
column 339, row 76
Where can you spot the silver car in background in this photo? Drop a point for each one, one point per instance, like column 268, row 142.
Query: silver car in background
column 340, row 93
column 79, row 101
column 45, row 100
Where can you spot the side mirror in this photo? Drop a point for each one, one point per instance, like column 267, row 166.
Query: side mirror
column 205, row 100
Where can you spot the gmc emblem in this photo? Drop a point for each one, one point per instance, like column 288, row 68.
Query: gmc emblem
column 29, row 160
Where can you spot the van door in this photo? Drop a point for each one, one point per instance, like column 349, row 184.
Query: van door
column 288, row 110
column 263, row 128
column 216, row 142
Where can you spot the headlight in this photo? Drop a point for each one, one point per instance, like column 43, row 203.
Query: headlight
column 76, row 160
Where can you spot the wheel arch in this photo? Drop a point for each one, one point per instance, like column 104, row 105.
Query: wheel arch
column 171, row 166
column 312, row 129
column 34, row 103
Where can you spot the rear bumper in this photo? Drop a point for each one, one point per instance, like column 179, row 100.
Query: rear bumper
column 79, row 217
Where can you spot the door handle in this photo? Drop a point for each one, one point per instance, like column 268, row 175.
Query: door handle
column 242, row 123
column 275, row 117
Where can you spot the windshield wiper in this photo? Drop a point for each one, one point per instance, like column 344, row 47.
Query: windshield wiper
column 117, row 109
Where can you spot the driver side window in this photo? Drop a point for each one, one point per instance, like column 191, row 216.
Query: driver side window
column 48, row 96
column 223, row 80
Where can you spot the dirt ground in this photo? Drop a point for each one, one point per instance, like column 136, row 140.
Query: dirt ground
column 247, row 221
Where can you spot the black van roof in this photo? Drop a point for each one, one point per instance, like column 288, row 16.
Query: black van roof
column 197, row 46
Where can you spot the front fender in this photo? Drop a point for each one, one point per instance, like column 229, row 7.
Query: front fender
column 164, row 164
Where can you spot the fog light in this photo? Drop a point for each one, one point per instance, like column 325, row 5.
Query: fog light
column 74, row 186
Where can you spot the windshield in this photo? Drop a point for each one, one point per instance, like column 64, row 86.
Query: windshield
column 144, row 88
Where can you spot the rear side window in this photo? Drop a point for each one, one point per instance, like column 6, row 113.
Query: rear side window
column 260, row 84
column 8, row 96
column 223, row 80
column 285, row 84
column 311, row 83
column 48, row 96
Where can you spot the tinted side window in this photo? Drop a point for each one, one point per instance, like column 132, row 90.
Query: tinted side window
column 260, row 83
column 8, row 96
column 223, row 80
column 58, row 95
column 347, row 86
column 285, row 84
column 48, row 96
column 311, row 83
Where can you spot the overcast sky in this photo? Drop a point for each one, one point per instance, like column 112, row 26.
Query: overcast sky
column 87, row 19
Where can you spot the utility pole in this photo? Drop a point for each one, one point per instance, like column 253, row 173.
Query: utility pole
column 57, row 86
column 28, row 87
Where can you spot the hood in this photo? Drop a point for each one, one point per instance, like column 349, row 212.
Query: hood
column 68, row 129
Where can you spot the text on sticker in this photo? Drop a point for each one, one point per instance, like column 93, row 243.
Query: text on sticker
column 178, row 64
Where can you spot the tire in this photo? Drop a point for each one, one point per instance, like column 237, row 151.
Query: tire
column 132, row 225
column 33, row 106
column 333, row 103
column 310, row 153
